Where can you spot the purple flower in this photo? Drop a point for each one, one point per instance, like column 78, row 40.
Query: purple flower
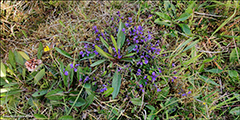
column 71, row 65
column 138, row 72
column 80, row 79
column 189, row 92
column 140, row 86
column 77, row 65
column 127, row 25
column 158, row 90
column 173, row 65
column 97, row 39
column 145, row 61
column 153, row 73
column 123, row 29
column 75, row 69
column 66, row 73
column 81, row 52
column 184, row 94
column 172, row 80
column 174, row 77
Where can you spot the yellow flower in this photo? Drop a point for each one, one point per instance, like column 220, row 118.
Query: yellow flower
column 46, row 49
column 204, row 103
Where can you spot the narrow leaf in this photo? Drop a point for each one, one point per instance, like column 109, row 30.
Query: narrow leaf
column 116, row 83
column 66, row 117
column 104, row 42
column 24, row 55
column 64, row 53
column 158, row 21
column 184, row 43
column 61, row 23
column 18, row 58
column 40, row 116
column 100, row 51
column 214, row 71
column 163, row 16
column 80, row 102
column 136, row 101
column 39, row 76
column 97, row 63
column 185, row 29
column 192, row 60
column 114, row 43
column 130, row 54
column 108, row 91
column 208, row 80
column 3, row 70
column 40, row 51
column 184, row 16
column 120, row 36
column 39, row 93
column 191, row 45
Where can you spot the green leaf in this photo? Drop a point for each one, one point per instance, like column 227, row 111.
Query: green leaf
column 167, row 23
column 3, row 70
column 214, row 70
column 39, row 76
column 11, row 59
column 191, row 45
column 104, row 42
column 40, row 51
column 114, row 43
column 116, row 83
column 97, row 63
column 110, row 50
column 40, row 116
column 64, row 53
column 225, row 22
column 108, row 91
column 234, row 55
column 24, row 33
column 101, row 52
column 184, row 44
column 152, row 108
column 192, row 60
column 208, row 80
column 163, row 16
column 19, row 59
column 130, row 48
column 66, row 117
column 136, row 101
column 24, row 55
column 61, row 23
column 127, row 59
column 39, row 93
column 120, row 36
column 235, row 111
column 55, row 94
column 185, row 29
column 130, row 54
column 89, row 101
column 80, row 102
column 233, row 73
column 184, row 16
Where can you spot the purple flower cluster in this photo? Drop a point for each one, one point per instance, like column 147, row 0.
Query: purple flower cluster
column 89, row 49
column 104, row 88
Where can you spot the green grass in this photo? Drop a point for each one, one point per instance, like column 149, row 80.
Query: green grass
column 199, row 44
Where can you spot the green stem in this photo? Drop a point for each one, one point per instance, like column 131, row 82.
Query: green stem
column 75, row 101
